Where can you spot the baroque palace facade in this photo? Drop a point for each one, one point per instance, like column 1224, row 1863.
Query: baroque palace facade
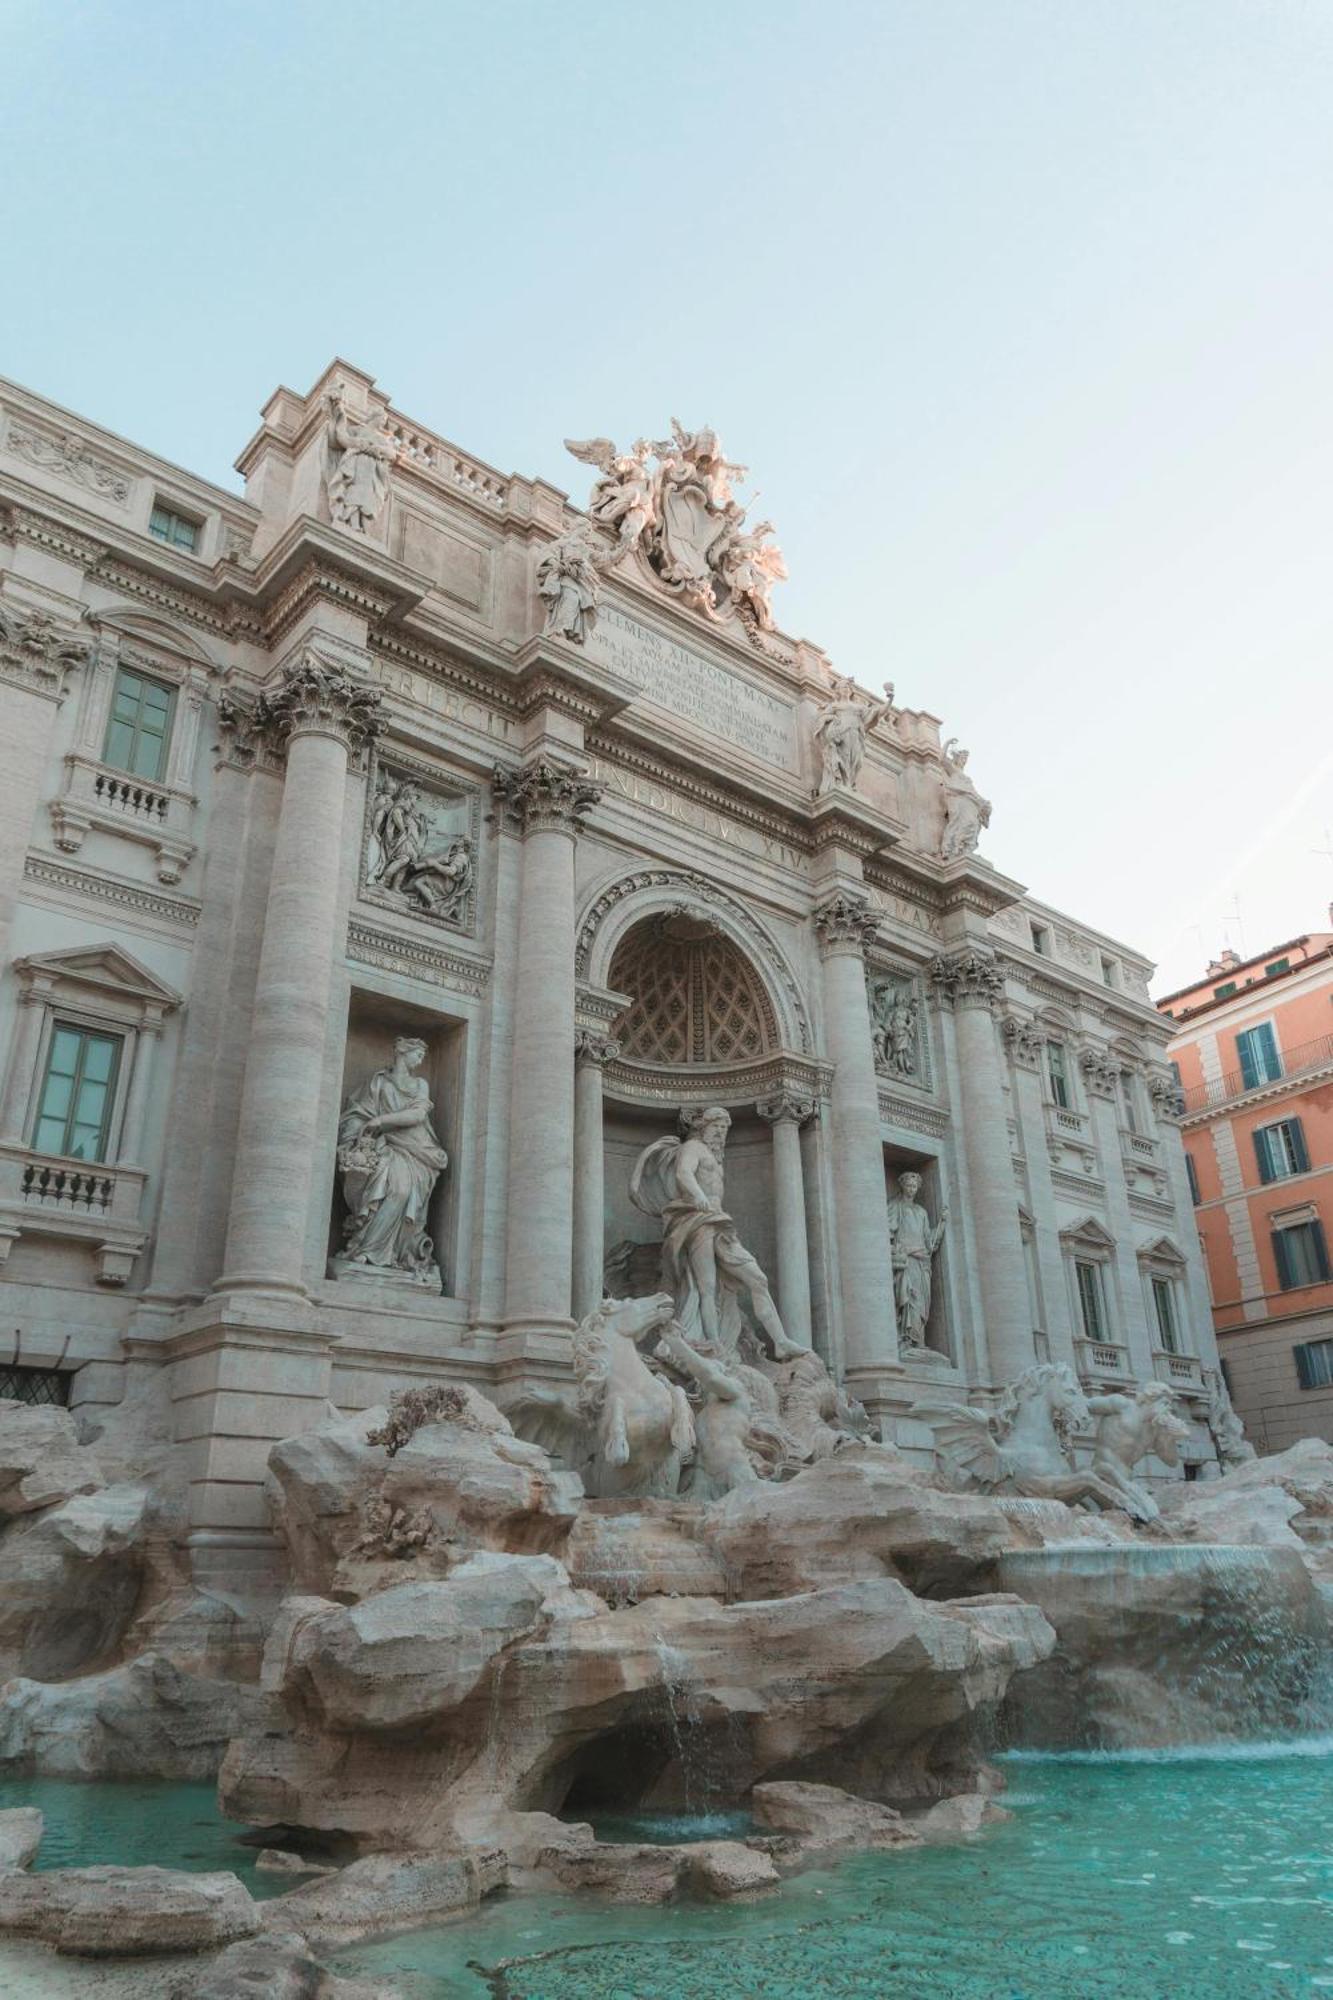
column 397, row 861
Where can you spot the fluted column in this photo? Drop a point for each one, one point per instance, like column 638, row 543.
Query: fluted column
column 845, row 928
column 36, row 657
column 545, row 802
column 1101, row 1080
column 591, row 1054
column 969, row 981
column 786, row 1113
column 1024, row 1041
column 324, row 717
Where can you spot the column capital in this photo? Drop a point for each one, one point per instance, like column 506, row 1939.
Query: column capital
column 844, row 922
column 1167, row 1096
column 591, row 1047
column 969, row 978
column 317, row 698
column 786, row 1107
column 38, row 654
column 1101, row 1072
column 1023, row 1039
column 544, row 797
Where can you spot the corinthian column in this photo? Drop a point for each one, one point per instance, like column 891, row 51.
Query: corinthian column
column 969, row 981
column 865, row 1270
column 324, row 718
column 591, row 1054
column 786, row 1113
column 545, row 802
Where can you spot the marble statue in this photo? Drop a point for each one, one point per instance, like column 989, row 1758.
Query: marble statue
column 624, row 497
column 1224, row 1426
column 916, row 1240
column 750, row 565
column 965, row 811
column 681, row 516
column 407, row 860
column 627, row 1432
column 735, row 1442
column 567, row 579
column 361, row 453
column 705, row 1265
column 1025, row 1445
column 390, row 1160
column 817, row 1415
column 893, row 1027
column 1128, row 1428
column 845, row 721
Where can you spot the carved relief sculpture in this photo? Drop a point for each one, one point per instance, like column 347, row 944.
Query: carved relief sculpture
column 360, row 454
column 390, row 1160
column 415, row 856
column 840, row 735
column 736, row 1443
column 894, row 1026
column 568, row 582
column 705, row 1266
column 965, row 811
column 681, row 516
column 915, row 1239
column 35, row 651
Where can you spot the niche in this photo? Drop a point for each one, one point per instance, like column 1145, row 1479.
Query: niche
column 632, row 1240
column 374, row 1023
column 897, row 1162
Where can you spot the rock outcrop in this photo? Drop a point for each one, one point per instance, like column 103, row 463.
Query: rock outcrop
column 143, row 1720
column 112, row 1912
column 21, row 1830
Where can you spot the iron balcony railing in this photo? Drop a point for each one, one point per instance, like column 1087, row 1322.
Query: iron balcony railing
column 1297, row 1062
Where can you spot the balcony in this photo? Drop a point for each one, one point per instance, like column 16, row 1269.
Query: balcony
column 96, row 1203
column 1182, row 1371
column 1296, row 1063
column 157, row 815
column 1102, row 1361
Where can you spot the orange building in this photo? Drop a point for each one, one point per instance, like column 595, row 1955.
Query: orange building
column 1253, row 1056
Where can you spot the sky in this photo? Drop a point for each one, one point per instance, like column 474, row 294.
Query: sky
column 1021, row 312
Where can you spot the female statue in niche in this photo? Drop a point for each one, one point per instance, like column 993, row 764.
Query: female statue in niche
column 390, row 1160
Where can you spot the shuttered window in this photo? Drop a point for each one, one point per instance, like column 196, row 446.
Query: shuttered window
column 1280, row 1150
column 1256, row 1050
column 1091, row 1299
column 1314, row 1364
column 1301, row 1253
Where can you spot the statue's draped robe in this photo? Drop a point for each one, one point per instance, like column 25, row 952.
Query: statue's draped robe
column 389, row 1204
column 653, row 1188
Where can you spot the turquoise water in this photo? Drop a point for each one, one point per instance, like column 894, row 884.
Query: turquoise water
column 1154, row 1876
column 137, row 1825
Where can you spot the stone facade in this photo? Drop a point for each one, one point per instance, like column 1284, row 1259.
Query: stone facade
column 412, row 852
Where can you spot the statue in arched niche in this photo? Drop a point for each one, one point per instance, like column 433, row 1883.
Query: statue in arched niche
column 390, row 1160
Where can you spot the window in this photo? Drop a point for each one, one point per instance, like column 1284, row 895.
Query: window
column 1278, row 965
column 1302, row 1255
column 140, row 725
column 1192, row 1176
column 1280, row 1150
column 1225, row 990
column 1041, row 940
column 1259, row 1059
column 78, row 1090
column 168, row 526
column 1091, row 1298
column 1314, row 1364
column 1164, row 1305
column 1057, row 1071
column 19, row 1384
column 1108, row 972
column 1128, row 1106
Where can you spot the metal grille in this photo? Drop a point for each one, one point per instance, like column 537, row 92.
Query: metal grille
column 695, row 999
column 34, row 1385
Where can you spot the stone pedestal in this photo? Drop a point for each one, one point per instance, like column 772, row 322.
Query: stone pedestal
column 968, row 980
column 543, row 802
column 786, row 1114
column 865, row 1268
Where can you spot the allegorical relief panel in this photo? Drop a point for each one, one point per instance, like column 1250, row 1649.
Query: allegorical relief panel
column 896, row 1026
column 420, row 847
column 699, row 690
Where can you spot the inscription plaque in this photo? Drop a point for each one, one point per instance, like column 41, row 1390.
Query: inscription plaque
column 697, row 689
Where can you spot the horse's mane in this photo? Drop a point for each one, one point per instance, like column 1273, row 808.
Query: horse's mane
column 1029, row 1384
column 591, row 1356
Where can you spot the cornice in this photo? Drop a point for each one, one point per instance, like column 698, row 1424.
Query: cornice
column 43, row 531
column 84, row 882
column 397, row 648
column 913, row 1116
column 322, row 580
column 622, row 753
column 731, row 1084
column 416, row 958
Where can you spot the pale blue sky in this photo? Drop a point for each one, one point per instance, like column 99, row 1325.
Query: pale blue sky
column 1020, row 310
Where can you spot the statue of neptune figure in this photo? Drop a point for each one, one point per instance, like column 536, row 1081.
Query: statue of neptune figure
column 705, row 1266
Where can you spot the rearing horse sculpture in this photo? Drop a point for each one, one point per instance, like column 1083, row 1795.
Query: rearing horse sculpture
column 1023, row 1446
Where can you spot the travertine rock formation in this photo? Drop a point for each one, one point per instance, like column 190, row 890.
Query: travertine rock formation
column 109, row 1912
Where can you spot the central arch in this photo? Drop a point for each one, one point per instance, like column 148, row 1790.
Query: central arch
column 694, row 996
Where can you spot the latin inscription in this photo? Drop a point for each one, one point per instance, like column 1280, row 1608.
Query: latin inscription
column 443, row 700
column 697, row 689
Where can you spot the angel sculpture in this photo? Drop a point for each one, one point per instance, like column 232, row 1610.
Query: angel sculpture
column 622, row 499
column 750, row 567
column 1025, row 1445
column 626, row 1431
column 705, row 1265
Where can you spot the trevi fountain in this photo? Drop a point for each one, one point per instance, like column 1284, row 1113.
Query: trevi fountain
column 612, row 1391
